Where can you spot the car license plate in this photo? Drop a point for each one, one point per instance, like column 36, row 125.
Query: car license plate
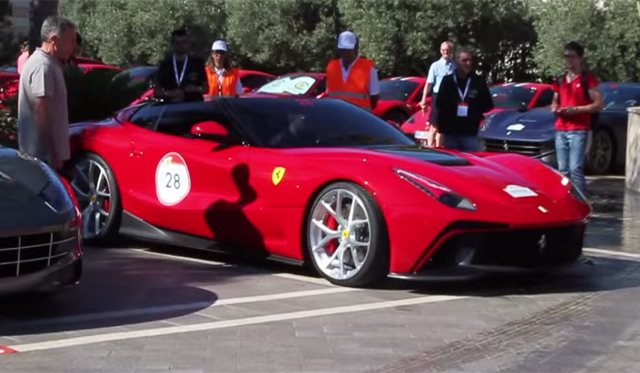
column 422, row 135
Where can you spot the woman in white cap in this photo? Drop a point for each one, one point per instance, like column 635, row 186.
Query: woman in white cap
column 222, row 78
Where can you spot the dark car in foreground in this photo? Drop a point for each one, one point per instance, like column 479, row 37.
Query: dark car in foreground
column 532, row 133
column 40, row 228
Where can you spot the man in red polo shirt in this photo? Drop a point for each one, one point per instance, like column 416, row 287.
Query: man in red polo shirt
column 577, row 97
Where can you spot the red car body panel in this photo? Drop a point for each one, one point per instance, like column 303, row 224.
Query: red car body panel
column 233, row 197
column 420, row 120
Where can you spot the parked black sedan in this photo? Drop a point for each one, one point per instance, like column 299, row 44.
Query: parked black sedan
column 532, row 132
column 40, row 227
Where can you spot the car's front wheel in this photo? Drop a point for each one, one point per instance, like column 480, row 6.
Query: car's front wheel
column 347, row 236
column 98, row 197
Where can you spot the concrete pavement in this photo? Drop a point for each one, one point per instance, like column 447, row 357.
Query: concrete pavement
column 180, row 311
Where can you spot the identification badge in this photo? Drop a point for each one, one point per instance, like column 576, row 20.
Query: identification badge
column 463, row 110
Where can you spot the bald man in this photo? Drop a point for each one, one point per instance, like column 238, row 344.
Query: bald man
column 438, row 70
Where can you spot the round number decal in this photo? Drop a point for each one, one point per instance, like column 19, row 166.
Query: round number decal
column 172, row 179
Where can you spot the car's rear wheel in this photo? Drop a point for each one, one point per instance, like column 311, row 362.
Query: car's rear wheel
column 396, row 116
column 601, row 152
column 347, row 237
column 98, row 197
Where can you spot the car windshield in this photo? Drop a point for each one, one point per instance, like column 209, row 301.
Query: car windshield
column 399, row 90
column 299, row 123
column 291, row 84
column 620, row 97
column 511, row 96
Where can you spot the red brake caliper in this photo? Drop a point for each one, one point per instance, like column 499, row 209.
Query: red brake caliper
column 332, row 224
column 107, row 203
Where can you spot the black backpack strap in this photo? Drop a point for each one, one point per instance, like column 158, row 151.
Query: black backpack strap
column 585, row 85
column 559, row 81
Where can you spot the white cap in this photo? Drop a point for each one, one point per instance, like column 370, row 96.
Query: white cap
column 219, row 45
column 347, row 40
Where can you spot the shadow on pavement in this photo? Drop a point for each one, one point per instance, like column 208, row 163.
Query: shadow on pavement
column 119, row 288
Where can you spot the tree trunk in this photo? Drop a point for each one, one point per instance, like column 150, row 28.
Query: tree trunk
column 39, row 11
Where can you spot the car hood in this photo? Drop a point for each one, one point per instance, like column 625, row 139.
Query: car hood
column 489, row 184
column 21, row 178
column 532, row 125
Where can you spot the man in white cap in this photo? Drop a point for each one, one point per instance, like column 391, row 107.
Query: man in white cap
column 181, row 76
column 223, row 80
column 352, row 78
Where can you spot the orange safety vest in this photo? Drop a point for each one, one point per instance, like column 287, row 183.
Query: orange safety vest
column 356, row 89
column 225, row 87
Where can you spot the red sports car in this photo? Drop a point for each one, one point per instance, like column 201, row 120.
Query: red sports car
column 507, row 96
column 320, row 182
column 250, row 80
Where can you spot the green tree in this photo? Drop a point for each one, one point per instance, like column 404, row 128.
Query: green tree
column 8, row 45
column 404, row 36
column 39, row 11
column 125, row 32
column 282, row 35
column 558, row 22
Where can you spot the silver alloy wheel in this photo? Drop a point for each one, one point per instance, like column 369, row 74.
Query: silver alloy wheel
column 340, row 219
column 93, row 191
column 601, row 152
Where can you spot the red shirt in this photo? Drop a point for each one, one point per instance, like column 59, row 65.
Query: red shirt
column 572, row 94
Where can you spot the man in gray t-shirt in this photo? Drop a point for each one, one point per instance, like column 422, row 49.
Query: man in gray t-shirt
column 43, row 119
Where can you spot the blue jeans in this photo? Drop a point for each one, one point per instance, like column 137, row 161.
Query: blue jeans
column 570, row 152
column 463, row 143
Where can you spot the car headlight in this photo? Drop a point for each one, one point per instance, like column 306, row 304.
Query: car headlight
column 436, row 190
column 487, row 122
column 55, row 193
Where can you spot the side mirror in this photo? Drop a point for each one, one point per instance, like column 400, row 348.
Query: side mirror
column 211, row 131
column 523, row 107
column 246, row 89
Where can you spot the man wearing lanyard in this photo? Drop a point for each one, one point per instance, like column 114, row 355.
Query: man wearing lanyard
column 181, row 76
column 462, row 99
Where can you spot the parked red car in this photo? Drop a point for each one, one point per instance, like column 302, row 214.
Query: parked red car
column 9, row 81
column 507, row 96
column 250, row 80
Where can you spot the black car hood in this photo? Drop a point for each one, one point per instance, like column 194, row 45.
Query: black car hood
column 21, row 178
column 533, row 125
column 426, row 154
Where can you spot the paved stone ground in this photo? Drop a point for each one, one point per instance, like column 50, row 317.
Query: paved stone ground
column 150, row 311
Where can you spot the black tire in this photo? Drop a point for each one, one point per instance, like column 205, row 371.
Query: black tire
column 601, row 154
column 112, row 224
column 397, row 116
column 376, row 262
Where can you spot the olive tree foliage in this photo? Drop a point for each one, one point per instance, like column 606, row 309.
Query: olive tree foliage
column 282, row 35
column 609, row 31
column 404, row 36
column 8, row 45
column 123, row 32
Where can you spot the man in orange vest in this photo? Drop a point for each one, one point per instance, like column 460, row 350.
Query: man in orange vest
column 353, row 78
column 223, row 80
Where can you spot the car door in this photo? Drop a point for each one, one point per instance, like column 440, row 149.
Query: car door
column 177, row 178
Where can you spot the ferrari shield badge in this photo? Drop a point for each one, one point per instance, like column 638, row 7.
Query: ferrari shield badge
column 278, row 175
